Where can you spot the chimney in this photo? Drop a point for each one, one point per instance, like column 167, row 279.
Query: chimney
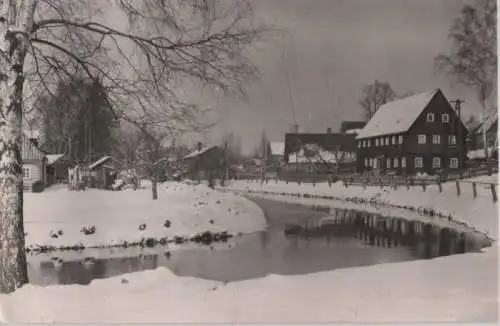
column 328, row 130
column 198, row 146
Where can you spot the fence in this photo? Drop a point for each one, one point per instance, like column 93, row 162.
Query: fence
column 393, row 181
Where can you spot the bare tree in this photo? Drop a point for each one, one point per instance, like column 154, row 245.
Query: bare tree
column 472, row 60
column 374, row 96
column 161, row 46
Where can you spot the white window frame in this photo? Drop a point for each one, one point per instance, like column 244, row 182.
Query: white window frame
column 436, row 162
column 376, row 142
column 26, row 172
column 359, row 144
column 394, row 140
column 452, row 140
column 430, row 117
column 453, row 163
column 369, row 142
column 436, row 139
column 419, row 162
column 388, row 163
column 387, row 141
column 445, row 118
column 366, row 162
column 403, row 162
column 370, row 162
column 395, row 163
column 400, row 139
column 422, row 139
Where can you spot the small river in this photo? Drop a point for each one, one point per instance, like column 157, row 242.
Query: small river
column 299, row 240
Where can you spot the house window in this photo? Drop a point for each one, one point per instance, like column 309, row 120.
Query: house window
column 388, row 163
column 445, row 117
column 395, row 163
column 370, row 162
column 26, row 173
column 452, row 140
column 400, row 139
column 394, row 140
column 419, row 162
column 453, row 162
column 387, row 141
column 376, row 141
column 403, row 162
column 366, row 162
column 422, row 139
column 436, row 139
column 369, row 142
column 359, row 144
column 436, row 162
column 430, row 117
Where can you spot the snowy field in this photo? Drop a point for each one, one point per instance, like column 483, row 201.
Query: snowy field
column 481, row 212
column 58, row 217
column 453, row 288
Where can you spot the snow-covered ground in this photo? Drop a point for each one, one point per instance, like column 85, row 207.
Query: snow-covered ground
column 481, row 212
column 458, row 288
column 453, row 288
column 56, row 217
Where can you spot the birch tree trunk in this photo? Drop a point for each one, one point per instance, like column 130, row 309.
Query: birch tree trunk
column 16, row 22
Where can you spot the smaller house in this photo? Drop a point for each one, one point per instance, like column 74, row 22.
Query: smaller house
column 57, row 168
column 103, row 173
column 205, row 162
column 34, row 164
column 476, row 145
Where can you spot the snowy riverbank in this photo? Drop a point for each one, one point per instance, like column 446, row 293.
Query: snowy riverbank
column 57, row 217
column 480, row 212
column 454, row 288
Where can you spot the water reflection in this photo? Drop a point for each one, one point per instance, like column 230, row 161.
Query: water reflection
column 319, row 242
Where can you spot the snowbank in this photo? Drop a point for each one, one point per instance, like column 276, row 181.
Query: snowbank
column 481, row 212
column 455, row 288
column 100, row 218
column 415, row 291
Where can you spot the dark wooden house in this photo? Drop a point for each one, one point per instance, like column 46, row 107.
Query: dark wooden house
column 205, row 162
column 319, row 152
column 418, row 134
column 57, row 168
column 103, row 173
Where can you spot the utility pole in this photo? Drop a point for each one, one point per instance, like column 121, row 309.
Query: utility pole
column 458, row 108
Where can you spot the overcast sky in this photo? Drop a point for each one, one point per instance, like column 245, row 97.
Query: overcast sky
column 346, row 44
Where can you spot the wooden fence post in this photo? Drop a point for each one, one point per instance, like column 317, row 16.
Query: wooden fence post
column 493, row 192
column 474, row 189
column 458, row 187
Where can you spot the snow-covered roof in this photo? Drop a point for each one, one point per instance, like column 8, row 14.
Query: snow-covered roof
column 99, row 162
column 353, row 131
column 198, row 152
column 52, row 158
column 277, row 148
column 488, row 123
column 397, row 116
column 322, row 156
